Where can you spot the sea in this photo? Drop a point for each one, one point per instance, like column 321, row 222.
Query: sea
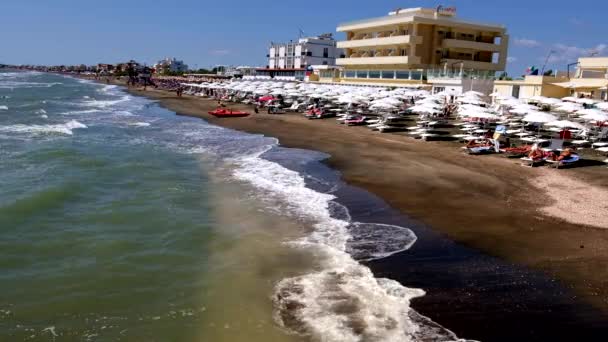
column 121, row 221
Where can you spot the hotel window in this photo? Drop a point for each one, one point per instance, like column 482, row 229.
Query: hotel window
column 374, row 74
column 325, row 52
column 416, row 75
column 388, row 74
column 402, row 75
column 350, row 74
column 361, row 73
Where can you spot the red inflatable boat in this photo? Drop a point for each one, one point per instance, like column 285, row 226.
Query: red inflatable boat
column 227, row 113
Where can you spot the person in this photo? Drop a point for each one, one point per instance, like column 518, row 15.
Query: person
column 482, row 143
column 536, row 153
column 566, row 154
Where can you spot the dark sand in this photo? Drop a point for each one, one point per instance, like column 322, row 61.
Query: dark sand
column 486, row 204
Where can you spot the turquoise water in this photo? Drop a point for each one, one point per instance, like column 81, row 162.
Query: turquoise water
column 120, row 221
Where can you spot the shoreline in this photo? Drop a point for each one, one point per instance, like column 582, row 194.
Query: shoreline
column 481, row 202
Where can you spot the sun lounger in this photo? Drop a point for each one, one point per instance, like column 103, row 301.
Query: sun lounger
column 527, row 161
column 569, row 161
column 556, row 145
column 484, row 149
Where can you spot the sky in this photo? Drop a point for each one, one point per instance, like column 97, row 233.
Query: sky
column 238, row 32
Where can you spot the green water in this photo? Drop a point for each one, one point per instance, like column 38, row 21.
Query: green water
column 114, row 230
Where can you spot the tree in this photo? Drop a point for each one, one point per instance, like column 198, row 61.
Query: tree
column 548, row 73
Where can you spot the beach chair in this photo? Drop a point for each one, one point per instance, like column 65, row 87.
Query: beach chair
column 527, row 161
column 556, row 145
column 575, row 158
column 495, row 148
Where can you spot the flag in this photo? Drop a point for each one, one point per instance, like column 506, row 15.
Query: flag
column 532, row 70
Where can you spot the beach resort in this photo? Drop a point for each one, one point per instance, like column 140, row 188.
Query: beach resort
column 384, row 182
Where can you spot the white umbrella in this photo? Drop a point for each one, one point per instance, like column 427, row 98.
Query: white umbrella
column 482, row 115
column 566, row 124
column 424, row 109
column 539, row 117
column 586, row 101
column 591, row 111
column 473, row 93
column 568, row 107
column 596, row 116
column 550, row 101
column 602, row 106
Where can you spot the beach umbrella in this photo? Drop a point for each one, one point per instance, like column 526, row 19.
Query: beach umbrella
column 473, row 93
column 595, row 116
column 585, row 101
column 602, row 106
column 568, row 107
column 523, row 109
column 566, row 124
column 539, row 117
column 550, row 101
column 569, row 99
column 424, row 109
column 382, row 105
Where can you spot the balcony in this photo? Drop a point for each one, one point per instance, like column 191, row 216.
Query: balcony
column 384, row 60
column 383, row 41
column 471, row 45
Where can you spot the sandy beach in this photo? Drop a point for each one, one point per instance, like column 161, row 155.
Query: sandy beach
column 553, row 221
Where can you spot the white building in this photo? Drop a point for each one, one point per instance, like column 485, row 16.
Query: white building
column 305, row 52
column 170, row 65
column 291, row 60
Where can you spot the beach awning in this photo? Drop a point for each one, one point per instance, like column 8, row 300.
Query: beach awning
column 576, row 83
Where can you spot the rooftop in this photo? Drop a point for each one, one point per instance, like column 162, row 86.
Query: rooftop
column 409, row 14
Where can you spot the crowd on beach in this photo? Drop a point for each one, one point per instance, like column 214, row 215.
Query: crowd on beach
column 537, row 130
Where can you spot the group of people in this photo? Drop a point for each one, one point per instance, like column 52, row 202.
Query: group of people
column 538, row 154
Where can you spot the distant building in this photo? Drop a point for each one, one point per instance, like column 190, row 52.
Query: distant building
column 170, row 65
column 590, row 80
column 291, row 60
column 103, row 68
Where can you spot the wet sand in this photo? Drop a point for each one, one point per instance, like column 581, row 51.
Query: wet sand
column 488, row 204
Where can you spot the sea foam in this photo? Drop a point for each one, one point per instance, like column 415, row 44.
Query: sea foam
column 66, row 128
column 342, row 301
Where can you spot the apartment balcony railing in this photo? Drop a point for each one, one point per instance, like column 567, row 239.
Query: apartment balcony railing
column 382, row 41
column 472, row 45
column 382, row 60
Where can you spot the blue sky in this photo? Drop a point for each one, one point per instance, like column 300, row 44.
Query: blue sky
column 205, row 33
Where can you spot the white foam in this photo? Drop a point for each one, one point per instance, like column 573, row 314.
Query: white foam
column 44, row 116
column 16, row 84
column 3, row 108
column 66, row 128
column 41, row 111
column 104, row 103
column 141, row 124
column 343, row 301
column 76, row 112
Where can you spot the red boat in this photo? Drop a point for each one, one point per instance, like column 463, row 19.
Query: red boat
column 228, row 113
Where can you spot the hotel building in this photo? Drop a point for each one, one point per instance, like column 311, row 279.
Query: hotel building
column 412, row 45
column 291, row 60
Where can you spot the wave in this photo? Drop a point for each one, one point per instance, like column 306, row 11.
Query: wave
column 104, row 103
column 343, row 301
column 141, row 124
column 66, row 128
column 16, row 84
column 41, row 111
column 3, row 108
column 76, row 112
